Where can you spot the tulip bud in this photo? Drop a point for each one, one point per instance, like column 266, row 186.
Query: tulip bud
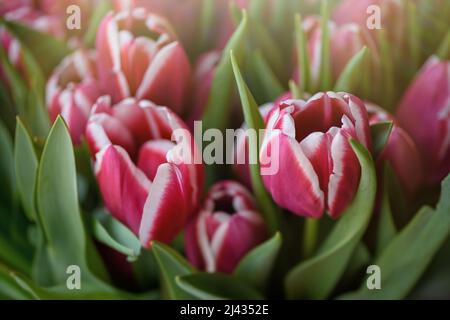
column 13, row 51
column 204, row 71
column 424, row 112
column 226, row 229
column 139, row 57
column 400, row 151
column 361, row 12
column 72, row 91
column 345, row 41
column 143, row 182
column 318, row 169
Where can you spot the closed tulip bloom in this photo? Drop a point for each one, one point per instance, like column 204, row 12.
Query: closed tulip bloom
column 345, row 41
column 226, row 229
column 138, row 56
column 72, row 90
column 424, row 112
column 318, row 170
column 400, row 151
column 144, row 182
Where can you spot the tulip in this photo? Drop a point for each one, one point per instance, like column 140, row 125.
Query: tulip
column 138, row 56
column 13, row 51
column 72, row 90
column 400, row 151
column 227, row 227
column 318, row 169
column 424, row 112
column 203, row 76
column 392, row 16
column 345, row 42
column 184, row 15
column 144, row 182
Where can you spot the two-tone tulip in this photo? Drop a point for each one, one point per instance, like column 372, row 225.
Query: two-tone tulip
column 318, row 170
column 345, row 41
column 400, row 151
column 226, row 229
column 145, row 166
column 72, row 90
column 424, row 112
column 138, row 56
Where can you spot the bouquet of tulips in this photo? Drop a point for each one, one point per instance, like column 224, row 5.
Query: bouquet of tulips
column 225, row 149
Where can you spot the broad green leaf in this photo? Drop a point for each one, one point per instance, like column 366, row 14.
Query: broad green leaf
column 257, row 265
column 407, row 256
column 115, row 235
column 26, row 164
column 351, row 77
column 254, row 121
column 46, row 49
column 63, row 231
column 12, row 255
column 9, row 288
column 217, row 286
column 316, row 277
column 217, row 110
column 304, row 73
column 172, row 265
column 380, row 133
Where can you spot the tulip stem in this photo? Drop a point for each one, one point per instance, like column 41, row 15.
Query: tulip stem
column 310, row 234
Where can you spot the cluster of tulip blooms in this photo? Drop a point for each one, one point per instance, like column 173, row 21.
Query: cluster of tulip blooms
column 353, row 95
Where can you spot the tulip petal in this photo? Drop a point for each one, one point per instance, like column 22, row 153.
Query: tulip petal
column 152, row 154
column 123, row 186
column 165, row 209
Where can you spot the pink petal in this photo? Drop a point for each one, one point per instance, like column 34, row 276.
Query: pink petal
column 124, row 187
column 152, row 154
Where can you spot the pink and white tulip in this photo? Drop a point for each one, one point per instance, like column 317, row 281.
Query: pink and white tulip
column 318, row 170
column 400, row 151
column 424, row 112
column 72, row 90
column 226, row 229
column 143, row 180
column 138, row 56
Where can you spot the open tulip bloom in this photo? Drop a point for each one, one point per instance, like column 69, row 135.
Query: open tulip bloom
column 197, row 149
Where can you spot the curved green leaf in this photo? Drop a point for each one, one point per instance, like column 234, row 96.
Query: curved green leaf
column 380, row 133
column 254, row 121
column 351, row 77
column 172, row 265
column 115, row 235
column 407, row 256
column 7, row 178
column 217, row 286
column 316, row 277
column 257, row 265
column 217, row 110
column 26, row 164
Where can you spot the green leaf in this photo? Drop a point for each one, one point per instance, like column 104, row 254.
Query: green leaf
column 387, row 71
column 254, row 121
column 316, row 277
column 267, row 85
column 217, row 286
column 386, row 229
column 115, row 235
column 351, row 77
column 325, row 76
column 9, row 288
column 217, row 110
column 100, row 10
column 64, row 236
column 256, row 266
column 46, row 49
column 380, row 133
column 7, row 179
column 444, row 49
column 407, row 256
column 26, row 164
column 172, row 265
column 304, row 73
